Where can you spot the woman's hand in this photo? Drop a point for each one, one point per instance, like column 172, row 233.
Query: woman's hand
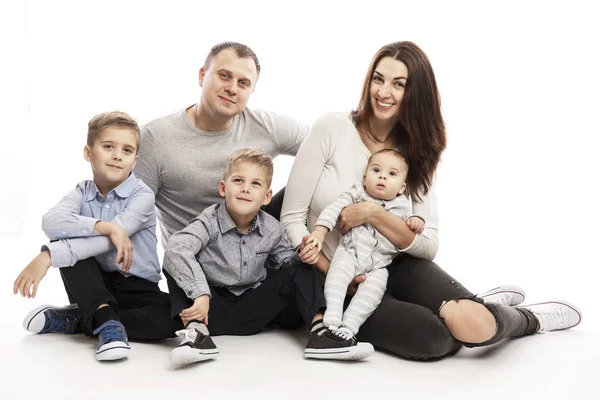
column 310, row 248
column 356, row 214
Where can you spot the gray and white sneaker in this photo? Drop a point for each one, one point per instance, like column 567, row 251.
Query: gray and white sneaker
column 196, row 345
column 336, row 344
column 555, row 315
column 508, row 295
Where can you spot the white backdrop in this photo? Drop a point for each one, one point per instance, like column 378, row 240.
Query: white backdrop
column 519, row 84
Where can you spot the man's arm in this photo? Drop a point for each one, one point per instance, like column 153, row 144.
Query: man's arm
column 147, row 167
column 290, row 133
column 180, row 257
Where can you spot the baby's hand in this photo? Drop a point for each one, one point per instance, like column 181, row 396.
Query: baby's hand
column 415, row 224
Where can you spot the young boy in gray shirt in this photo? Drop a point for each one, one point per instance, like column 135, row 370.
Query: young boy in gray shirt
column 232, row 268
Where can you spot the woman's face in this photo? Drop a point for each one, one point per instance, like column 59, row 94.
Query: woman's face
column 387, row 88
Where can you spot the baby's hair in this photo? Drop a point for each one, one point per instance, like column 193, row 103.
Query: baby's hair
column 397, row 153
column 251, row 156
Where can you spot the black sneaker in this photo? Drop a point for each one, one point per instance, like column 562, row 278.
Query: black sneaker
column 196, row 345
column 48, row 319
column 336, row 344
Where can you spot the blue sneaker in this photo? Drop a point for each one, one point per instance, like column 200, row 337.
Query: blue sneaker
column 112, row 341
column 47, row 319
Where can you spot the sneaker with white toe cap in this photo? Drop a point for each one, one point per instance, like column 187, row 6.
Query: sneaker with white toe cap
column 555, row 315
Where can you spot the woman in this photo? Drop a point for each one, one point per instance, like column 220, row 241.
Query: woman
column 425, row 314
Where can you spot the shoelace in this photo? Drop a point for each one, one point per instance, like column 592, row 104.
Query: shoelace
column 188, row 335
column 505, row 300
column 113, row 333
column 343, row 333
column 551, row 319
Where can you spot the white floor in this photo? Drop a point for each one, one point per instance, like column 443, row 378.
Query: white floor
column 556, row 365
column 270, row 365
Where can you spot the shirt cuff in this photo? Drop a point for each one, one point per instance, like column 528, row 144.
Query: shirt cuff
column 325, row 223
column 197, row 289
column 86, row 225
column 60, row 254
column 295, row 235
column 416, row 216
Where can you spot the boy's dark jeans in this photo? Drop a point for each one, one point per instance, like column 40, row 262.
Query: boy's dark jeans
column 298, row 285
column 142, row 307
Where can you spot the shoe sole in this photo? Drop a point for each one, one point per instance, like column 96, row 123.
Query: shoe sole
column 181, row 356
column 564, row 303
column 113, row 351
column 31, row 323
column 517, row 290
column 348, row 353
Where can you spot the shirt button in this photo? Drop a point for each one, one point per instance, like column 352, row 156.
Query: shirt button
column 245, row 263
column 106, row 206
column 244, row 241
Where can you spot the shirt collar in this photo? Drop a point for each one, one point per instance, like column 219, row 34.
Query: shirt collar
column 124, row 190
column 226, row 222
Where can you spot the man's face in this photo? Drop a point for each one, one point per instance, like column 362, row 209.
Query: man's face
column 227, row 84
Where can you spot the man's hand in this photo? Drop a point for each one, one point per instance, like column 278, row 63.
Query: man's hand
column 353, row 287
column 32, row 275
column 198, row 311
column 121, row 241
column 356, row 214
column 415, row 224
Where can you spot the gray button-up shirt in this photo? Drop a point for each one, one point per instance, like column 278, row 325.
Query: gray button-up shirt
column 71, row 222
column 211, row 250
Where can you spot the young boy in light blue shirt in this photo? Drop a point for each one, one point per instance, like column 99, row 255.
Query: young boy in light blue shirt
column 103, row 240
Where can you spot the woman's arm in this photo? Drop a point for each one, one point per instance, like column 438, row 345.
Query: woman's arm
column 424, row 245
column 304, row 177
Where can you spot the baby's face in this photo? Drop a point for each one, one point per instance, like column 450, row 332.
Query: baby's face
column 385, row 175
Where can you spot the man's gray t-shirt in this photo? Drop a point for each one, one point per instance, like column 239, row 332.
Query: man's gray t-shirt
column 183, row 165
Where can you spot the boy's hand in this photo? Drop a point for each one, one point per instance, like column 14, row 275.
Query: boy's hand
column 415, row 224
column 121, row 241
column 311, row 246
column 198, row 311
column 32, row 275
column 124, row 247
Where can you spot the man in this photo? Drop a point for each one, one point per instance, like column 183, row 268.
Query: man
column 183, row 155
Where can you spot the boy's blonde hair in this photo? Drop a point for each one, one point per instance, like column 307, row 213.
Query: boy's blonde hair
column 112, row 119
column 251, row 156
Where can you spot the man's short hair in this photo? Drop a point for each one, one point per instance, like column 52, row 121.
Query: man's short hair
column 251, row 156
column 241, row 50
column 112, row 119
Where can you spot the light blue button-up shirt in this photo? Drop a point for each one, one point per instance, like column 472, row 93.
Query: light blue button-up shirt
column 71, row 222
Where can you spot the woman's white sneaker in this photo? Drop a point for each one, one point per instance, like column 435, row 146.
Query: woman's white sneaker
column 555, row 315
column 508, row 295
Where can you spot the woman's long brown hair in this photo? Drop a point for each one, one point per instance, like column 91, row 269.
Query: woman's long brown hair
column 420, row 130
